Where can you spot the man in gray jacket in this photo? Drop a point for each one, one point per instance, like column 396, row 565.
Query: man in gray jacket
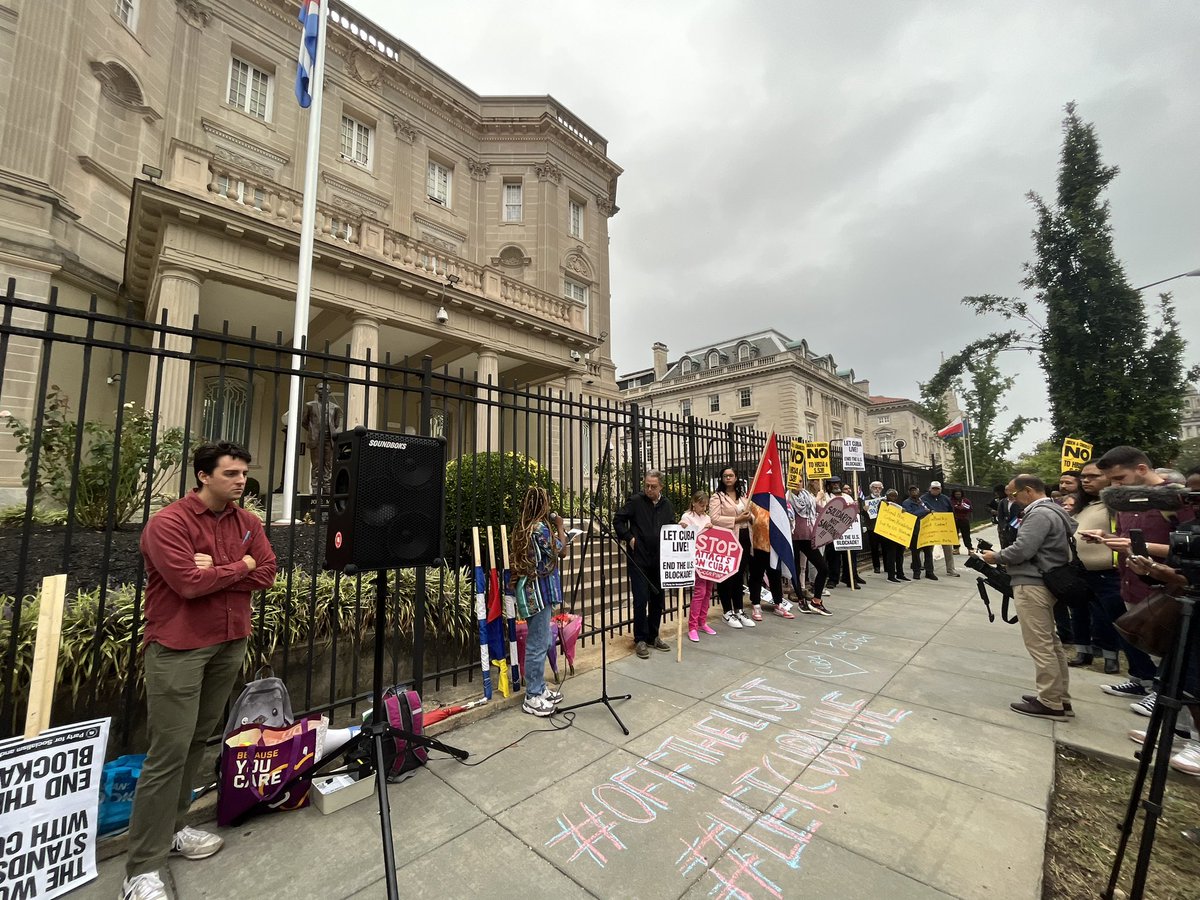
column 1043, row 543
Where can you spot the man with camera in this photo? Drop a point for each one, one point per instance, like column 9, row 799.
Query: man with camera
column 1042, row 543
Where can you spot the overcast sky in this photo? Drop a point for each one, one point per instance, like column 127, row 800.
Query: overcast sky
column 846, row 173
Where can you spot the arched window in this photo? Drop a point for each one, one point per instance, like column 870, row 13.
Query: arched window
column 886, row 445
column 714, row 359
column 685, row 365
column 743, row 351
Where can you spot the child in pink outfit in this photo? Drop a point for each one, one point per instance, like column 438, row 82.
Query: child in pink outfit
column 697, row 518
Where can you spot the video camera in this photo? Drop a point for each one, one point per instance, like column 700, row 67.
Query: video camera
column 1183, row 544
column 995, row 578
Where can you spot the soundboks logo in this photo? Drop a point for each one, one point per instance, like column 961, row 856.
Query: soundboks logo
column 390, row 445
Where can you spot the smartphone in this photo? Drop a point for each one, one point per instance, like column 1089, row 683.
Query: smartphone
column 1137, row 542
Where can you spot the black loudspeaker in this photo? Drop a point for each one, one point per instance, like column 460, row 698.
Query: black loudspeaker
column 387, row 501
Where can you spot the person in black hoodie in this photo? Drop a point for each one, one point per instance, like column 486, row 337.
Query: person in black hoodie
column 638, row 524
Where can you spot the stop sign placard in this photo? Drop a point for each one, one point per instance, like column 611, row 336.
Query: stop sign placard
column 718, row 554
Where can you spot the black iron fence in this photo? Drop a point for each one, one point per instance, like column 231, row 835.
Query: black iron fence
column 103, row 409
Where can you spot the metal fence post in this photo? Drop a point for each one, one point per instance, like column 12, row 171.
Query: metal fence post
column 635, row 439
column 419, row 597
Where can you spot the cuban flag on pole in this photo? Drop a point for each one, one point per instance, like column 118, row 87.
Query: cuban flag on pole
column 767, row 492
column 310, row 17
column 956, row 429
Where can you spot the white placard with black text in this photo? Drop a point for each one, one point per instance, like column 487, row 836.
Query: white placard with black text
column 852, row 455
column 851, row 538
column 677, row 556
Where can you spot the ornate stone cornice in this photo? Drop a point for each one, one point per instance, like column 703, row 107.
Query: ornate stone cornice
column 479, row 170
column 365, row 68
column 605, row 205
column 194, row 13
column 404, row 129
column 378, row 201
column 216, row 131
column 548, row 171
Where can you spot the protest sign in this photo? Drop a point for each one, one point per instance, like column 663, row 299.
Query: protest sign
column 937, row 529
column 1075, row 454
column 895, row 524
column 835, row 518
column 851, row 538
column 816, row 460
column 677, row 556
column 718, row 554
column 795, row 469
column 872, row 504
column 49, row 794
column 852, row 455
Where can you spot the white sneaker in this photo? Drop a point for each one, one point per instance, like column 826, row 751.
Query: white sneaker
column 733, row 620
column 746, row 620
column 147, row 886
column 552, row 695
column 1145, row 706
column 538, row 706
column 192, row 843
column 1187, row 760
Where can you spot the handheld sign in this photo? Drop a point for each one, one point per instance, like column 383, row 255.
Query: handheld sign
column 851, row 538
column 937, row 529
column 895, row 524
column 718, row 554
column 1075, row 454
column 795, row 469
column 835, row 518
column 872, row 504
column 853, row 459
column 816, row 461
column 677, row 556
column 51, row 791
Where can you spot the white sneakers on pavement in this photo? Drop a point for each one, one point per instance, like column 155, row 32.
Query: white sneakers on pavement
column 745, row 619
column 733, row 620
column 538, row 706
column 147, row 886
column 192, row 843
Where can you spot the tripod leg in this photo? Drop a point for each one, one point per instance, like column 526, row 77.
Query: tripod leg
column 385, row 813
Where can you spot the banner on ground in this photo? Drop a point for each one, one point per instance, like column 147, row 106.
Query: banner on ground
column 937, row 530
column 816, row 461
column 895, row 524
column 850, row 539
column 718, row 554
column 853, row 459
column 49, row 794
column 1075, row 454
column 677, row 556
column 795, row 469
column 837, row 516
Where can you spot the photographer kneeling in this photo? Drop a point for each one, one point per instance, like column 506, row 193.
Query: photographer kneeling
column 1043, row 543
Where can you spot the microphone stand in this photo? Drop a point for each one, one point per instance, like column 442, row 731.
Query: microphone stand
column 593, row 519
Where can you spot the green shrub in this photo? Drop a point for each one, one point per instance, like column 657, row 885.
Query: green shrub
column 486, row 489
column 13, row 516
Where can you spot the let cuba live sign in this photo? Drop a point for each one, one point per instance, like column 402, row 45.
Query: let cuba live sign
column 49, row 790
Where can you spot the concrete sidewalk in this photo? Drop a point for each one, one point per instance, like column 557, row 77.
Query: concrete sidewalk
column 868, row 754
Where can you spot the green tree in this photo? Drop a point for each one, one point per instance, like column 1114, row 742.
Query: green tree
column 1045, row 461
column 1189, row 455
column 1111, row 378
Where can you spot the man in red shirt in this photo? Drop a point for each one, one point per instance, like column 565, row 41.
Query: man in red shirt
column 204, row 555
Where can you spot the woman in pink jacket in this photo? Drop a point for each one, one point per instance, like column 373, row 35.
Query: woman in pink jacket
column 729, row 508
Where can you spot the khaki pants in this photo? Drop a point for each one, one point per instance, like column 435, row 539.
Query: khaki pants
column 186, row 693
column 1035, row 608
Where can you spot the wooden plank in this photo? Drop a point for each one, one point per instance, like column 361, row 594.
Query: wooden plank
column 45, row 654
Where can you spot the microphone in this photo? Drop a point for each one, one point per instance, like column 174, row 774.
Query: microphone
column 1139, row 498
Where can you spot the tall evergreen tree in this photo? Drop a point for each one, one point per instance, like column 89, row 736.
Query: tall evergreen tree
column 1111, row 379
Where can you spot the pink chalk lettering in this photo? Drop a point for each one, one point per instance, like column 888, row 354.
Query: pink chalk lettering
column 771, row 699
column 587, row 836
column 800, row 747
column 891, row 717
column 690, row 749
column 777, row 836
column 831, row 699
column 757, row 724
column 718, row 737
column 715, row 840
column 741, row 877
column 673, row 776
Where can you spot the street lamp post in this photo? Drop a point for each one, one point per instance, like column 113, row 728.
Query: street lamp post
column 1192, row 274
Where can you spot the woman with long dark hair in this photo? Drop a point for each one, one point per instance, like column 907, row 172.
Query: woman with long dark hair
column 729, row 507
column 803, row 506
column 539, row 542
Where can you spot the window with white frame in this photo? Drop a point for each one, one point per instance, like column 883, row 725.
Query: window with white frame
column 439, row 182
column 513, row 206
column 744, row 397
column 127, row 12
column 575, row 219
column 685, row 365
column 743, row 352
column 714, row 359
column 886, row 444
column 811, row 433
column 714, row 402
column 356, row 142
column 249, row 89
column 686, row 407
column 883, row 420
column 573, row 290
column 225, row 409
column 808, row 397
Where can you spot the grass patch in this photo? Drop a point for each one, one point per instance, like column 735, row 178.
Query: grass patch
column 1090, row 798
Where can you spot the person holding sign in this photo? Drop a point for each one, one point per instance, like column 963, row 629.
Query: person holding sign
column 204, row 555
column 803, row 506
column 870, row 508
column 638, row 523
column 915, row 507
column 697, row 518
column 730, row 508
column 937, row 502
column 893, row 553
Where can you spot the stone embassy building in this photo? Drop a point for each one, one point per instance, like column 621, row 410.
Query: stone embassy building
column 421, row 182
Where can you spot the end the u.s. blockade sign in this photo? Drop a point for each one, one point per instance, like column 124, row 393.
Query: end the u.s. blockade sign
column 677, row 556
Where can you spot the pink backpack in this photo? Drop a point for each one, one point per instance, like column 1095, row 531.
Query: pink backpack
column 400, row 758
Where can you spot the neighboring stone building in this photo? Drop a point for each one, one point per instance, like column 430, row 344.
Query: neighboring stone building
column 1189, row 421
column 760, row 380
column 429, row 195
column 893, row 418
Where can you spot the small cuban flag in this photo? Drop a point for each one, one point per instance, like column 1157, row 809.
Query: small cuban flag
column 306, row 70
column 767, row 492
column 956, row 429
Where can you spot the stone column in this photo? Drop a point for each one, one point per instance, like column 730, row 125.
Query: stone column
column 577, row 463
column 177, row 292
column 362, row 403
column 487, row 418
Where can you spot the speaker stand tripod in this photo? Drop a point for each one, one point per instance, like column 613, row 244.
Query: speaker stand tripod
column 1160, row 734
column 593, row 517
column 368, row 744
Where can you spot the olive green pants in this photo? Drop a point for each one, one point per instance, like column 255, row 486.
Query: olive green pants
column 186, row 693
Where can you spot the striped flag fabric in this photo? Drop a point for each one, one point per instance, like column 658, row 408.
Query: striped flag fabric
column 310, row 18
column 767, row 492
column 956, row 429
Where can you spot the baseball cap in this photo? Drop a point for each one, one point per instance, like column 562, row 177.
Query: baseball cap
column 834, row 480
column 934, row 484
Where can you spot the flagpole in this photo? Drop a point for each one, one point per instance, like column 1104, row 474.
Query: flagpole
column 970, row 458
column 308, row 220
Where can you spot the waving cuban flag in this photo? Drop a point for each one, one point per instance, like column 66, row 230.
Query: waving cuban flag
column 767, row 492
column 310, row 18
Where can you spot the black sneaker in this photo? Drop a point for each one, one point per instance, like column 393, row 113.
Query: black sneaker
column 931, row 577
column 642, row 650
column 1125, row 689
column 902, row 577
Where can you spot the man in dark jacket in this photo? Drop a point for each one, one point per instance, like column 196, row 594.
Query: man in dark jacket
column 938, row 502
column 638, row 524
column 1043, row 543
column 914, row 506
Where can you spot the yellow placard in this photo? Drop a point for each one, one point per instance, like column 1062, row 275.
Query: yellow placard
column 895, row 524
column 816, row 460
column 1075, row 454
column 795, row 469
column 937, row 530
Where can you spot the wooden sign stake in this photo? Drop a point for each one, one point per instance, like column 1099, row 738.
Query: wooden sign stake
column 45, row 654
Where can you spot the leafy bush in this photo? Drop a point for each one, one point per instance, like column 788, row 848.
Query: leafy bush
column 486, row 489
column 92, row 471
column 12, row 516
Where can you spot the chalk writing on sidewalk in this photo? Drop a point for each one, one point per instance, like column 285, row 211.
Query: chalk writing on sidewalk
column 845, row 640
column 822, row 665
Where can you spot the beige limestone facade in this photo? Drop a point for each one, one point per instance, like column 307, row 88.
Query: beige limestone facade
column 429, row 196
column 1189, row 420
column 897, row 418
